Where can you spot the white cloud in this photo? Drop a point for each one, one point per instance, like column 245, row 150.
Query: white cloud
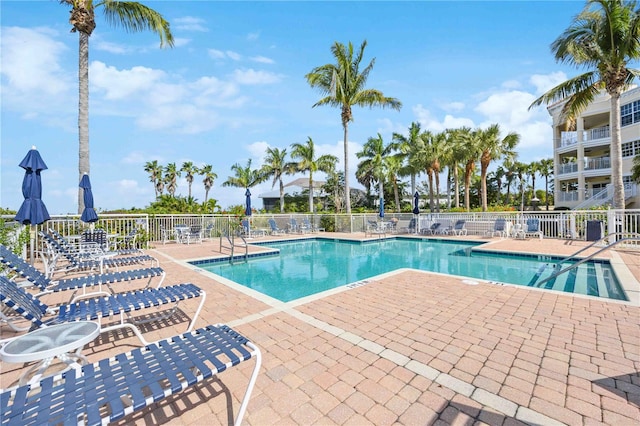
column 251, row 76
column 508, row 108
column 216, row 54
column 189, row 23
column 428, row 122
column 258, row 152
column 253, row 36
column 233, row 55
column 544, row 82
column 120, row 84
column 262, row 59
column 453, row 106
column 27, row 72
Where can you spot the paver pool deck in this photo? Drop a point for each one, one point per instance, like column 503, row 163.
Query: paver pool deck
column 407, row 348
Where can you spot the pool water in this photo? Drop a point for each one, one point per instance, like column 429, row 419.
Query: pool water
column 306, row 267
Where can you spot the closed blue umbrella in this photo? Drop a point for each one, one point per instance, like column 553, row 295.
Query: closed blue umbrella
column 416, row 198
column 89, row 213
column 32, row 211
column 381, row 212
column 247, row 210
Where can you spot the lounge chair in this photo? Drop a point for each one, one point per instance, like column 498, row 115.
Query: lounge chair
column 308, row 225
column 87, row 261
column 533, row 228
column 433, row 229
column 275, row 230
column 499, row 228
column 113, row 388
column 122, row 304
column 412, row 226
column 88, row 247
column 459, row 228
column 46, row 285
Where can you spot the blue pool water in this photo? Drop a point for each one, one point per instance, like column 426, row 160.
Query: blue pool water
column 306, row 267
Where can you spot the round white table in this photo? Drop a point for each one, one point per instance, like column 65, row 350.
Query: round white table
column 62, row 341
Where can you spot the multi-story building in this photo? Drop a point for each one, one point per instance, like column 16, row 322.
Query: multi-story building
column 581, row 152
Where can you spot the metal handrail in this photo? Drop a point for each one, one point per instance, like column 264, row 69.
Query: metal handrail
column 634, row 237
column 232, row 245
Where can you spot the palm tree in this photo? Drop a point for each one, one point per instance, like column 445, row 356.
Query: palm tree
column 393, row 165
column 409, row 146
column 307, row 162
column 374, row 165
column 520, row 170
column 209, row 176
column 499, row 174
column 546, row 170
column 455, row 155
column 344, row 86
column 635, row 170
column 245, row 177
column 276, row 166
column 492, row 148
column 171, row 175
column 189, row 170
column 532, row 170
column 133, row 17
column 155, row 173
column 471, row 154
column 604, row 38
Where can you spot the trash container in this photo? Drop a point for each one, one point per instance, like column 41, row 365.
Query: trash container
column 594, row 230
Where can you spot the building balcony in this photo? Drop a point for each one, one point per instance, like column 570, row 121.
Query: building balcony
column 567, row 168
column 597, row 163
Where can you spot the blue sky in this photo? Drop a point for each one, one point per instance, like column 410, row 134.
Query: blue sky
column 234, row 85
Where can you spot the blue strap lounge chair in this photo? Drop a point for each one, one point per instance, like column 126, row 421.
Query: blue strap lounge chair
column 499, row 228
column 433, row 229
column 90, row 261
column 459, row 228
column 23, row 303
column 46, row 285
column 113, row 388
column 533, row 228
column 275, row 230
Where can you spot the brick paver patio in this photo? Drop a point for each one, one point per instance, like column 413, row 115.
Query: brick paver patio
column 407, row 348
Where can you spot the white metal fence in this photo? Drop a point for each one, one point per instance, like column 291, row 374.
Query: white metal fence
column 554, row 224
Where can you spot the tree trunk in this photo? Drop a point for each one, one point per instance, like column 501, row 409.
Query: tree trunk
column 616, row 153
column 437, row 176
column 546, row 191
column 430, row 174
column 83, row 112
column 347, row 192
column 396, row 194
column 281, row 196
column 456, row 184
column 483, row 186
column 310, row 192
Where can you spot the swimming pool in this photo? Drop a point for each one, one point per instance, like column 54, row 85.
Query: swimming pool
column 305, row 267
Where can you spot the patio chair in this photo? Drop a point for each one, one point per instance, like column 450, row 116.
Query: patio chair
column 499, row 228
column 307, row 224
column 375, row 228
column 30, row 307
column 275, row 230
column 46, row 285
column 113, row 388
column 412, row 226
column 533, row 228
column 459, row 228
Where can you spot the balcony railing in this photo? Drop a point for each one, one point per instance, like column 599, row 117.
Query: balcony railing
column 597, row 133
column 597, row 163
column 568, row 138
column 567, row 168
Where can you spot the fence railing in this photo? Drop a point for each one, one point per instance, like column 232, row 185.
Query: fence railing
column 554, row 224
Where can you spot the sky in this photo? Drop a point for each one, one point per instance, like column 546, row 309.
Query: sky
column 234, row 84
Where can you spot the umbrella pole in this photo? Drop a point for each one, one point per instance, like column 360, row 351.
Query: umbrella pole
column 32, row 243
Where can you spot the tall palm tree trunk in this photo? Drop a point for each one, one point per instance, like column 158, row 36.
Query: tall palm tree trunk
column 347, row 192
column 616, row 152
column 281, row 196
column 430, row 175
column 456, row 184
column 83, row 112
column 310, row 192
column 437, row 177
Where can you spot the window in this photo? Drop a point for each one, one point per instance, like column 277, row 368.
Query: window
column 631, row 149
column 630, row 113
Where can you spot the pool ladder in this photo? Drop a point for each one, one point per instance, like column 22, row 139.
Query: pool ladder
column 630, row 236
column 231, row 238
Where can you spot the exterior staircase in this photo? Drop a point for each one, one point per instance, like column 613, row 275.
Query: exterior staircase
column 606, row 195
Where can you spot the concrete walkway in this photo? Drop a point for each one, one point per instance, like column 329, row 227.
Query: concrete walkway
column 407, row 348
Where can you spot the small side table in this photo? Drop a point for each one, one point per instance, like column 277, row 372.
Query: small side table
column 62, row 341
